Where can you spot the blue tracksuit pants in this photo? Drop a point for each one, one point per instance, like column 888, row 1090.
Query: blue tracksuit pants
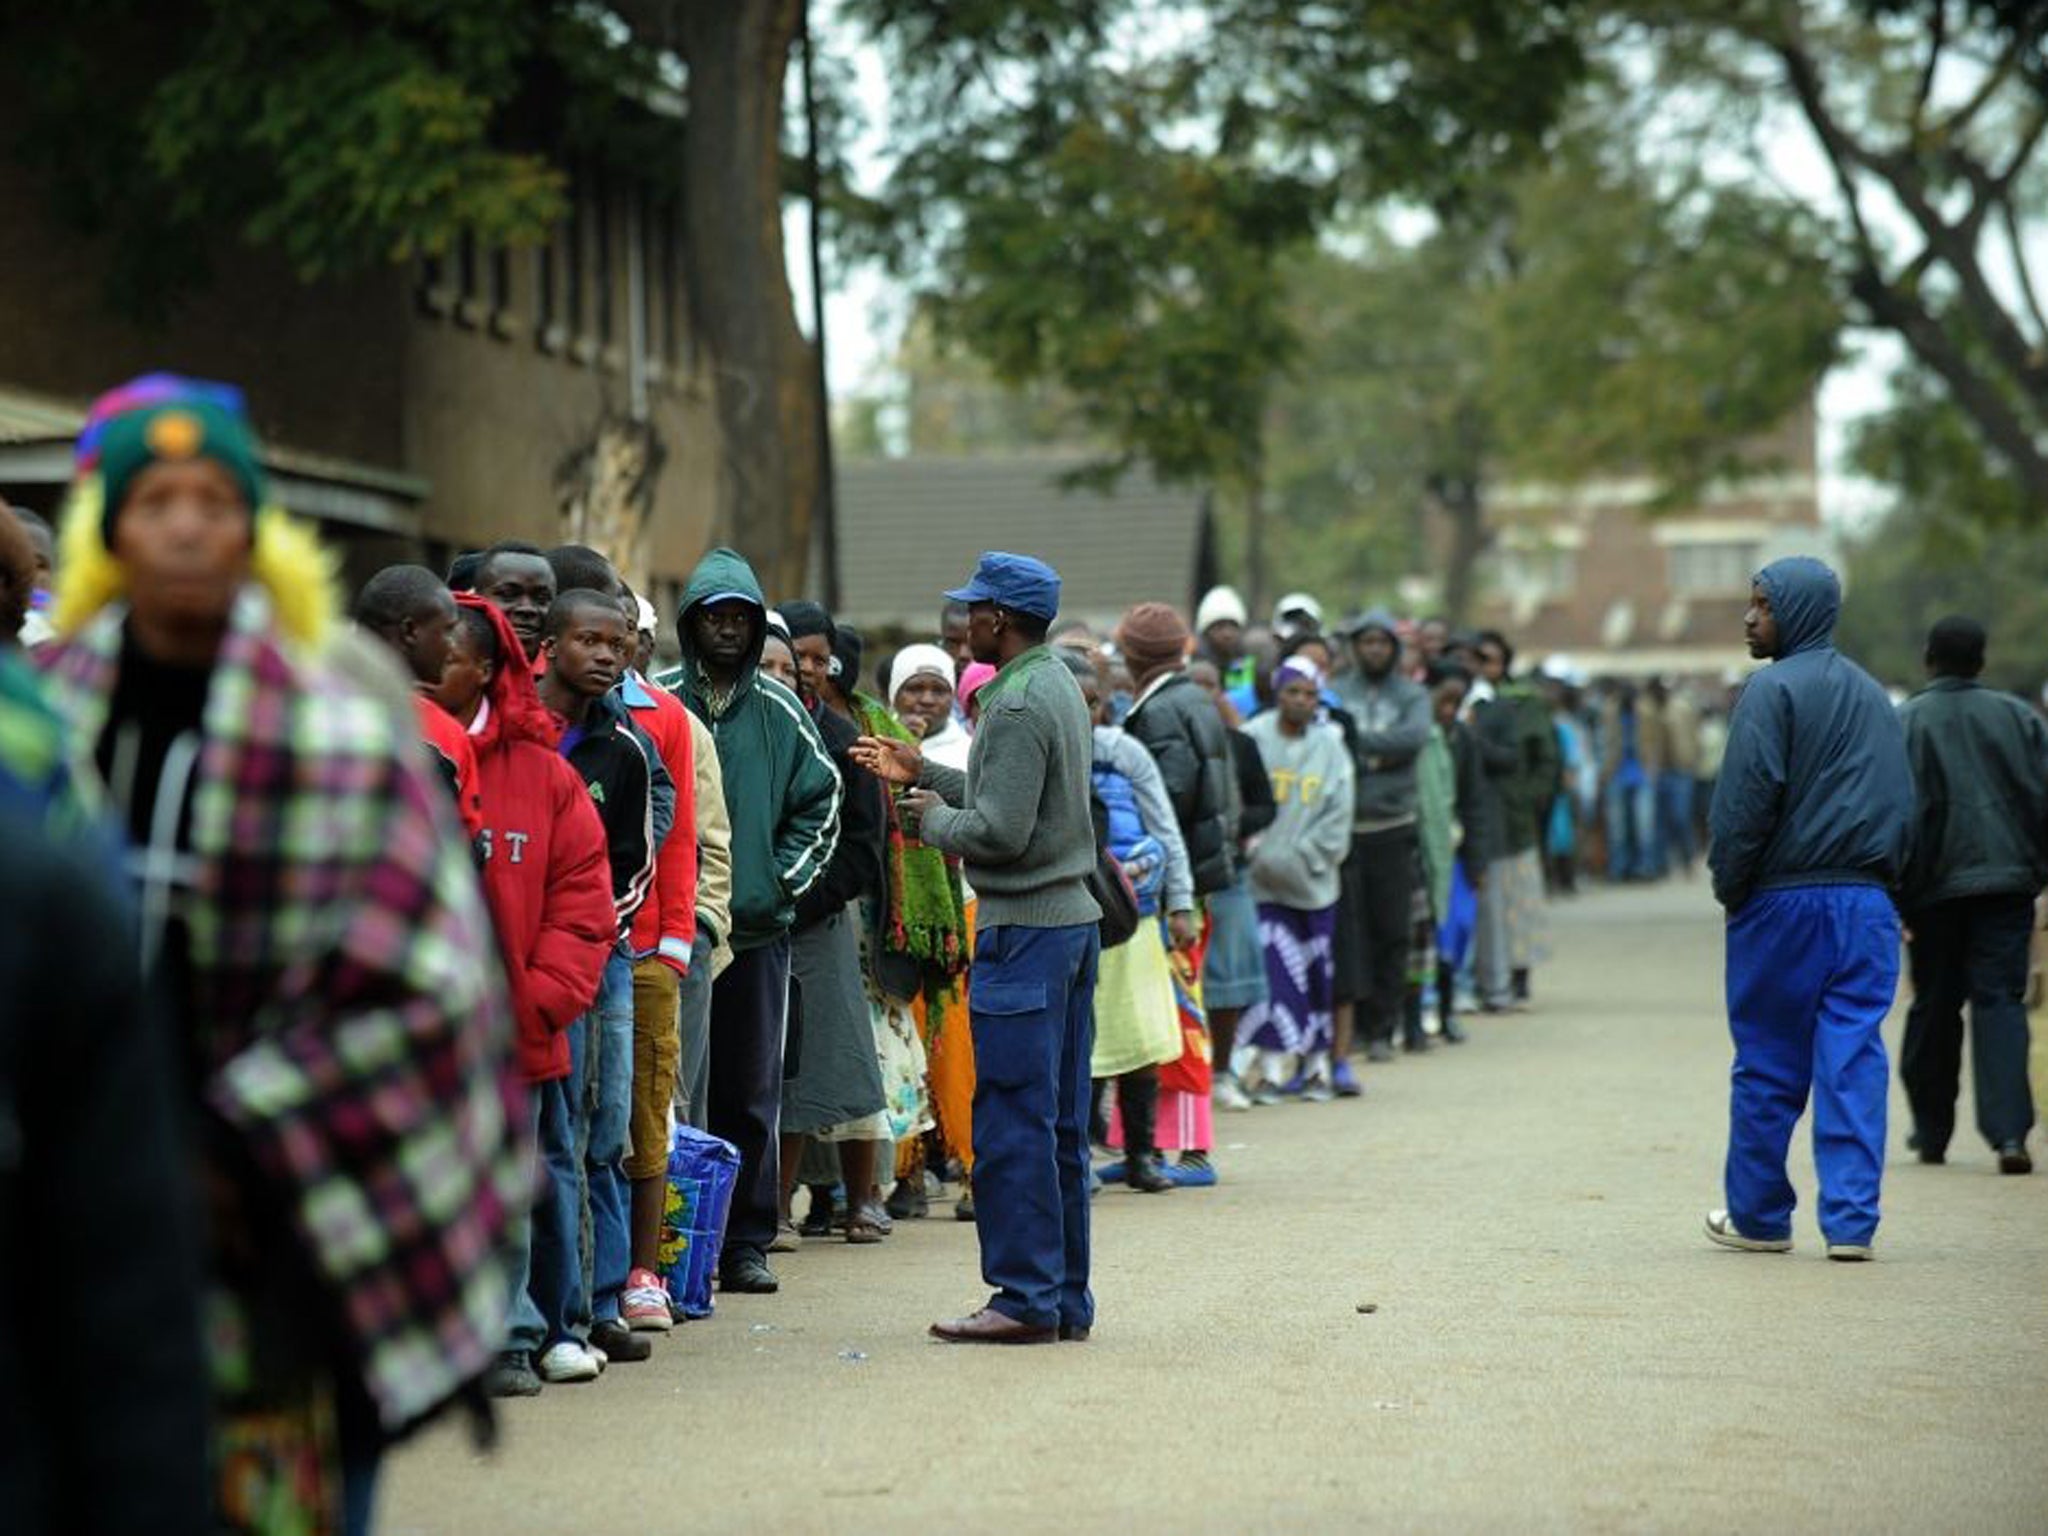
column 1031, row 1003
column 1811, row 974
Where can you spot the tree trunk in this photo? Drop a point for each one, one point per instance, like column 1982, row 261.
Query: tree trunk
column 605, row 490
column 1459, row 500
column 766, row 386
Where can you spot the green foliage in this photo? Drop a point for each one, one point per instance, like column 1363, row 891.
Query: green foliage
column 345, row 135
column 1100, row 195
column 1955, row 540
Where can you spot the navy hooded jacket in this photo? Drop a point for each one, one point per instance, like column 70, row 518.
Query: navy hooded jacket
column 1815, row 788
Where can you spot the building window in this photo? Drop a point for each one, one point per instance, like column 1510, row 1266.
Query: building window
column 1712, row 570
column 1544, row 573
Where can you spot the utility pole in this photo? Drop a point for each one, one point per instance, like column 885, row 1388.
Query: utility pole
column 825, row 512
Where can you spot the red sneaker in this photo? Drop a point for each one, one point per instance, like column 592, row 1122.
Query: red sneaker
column 644, row 1305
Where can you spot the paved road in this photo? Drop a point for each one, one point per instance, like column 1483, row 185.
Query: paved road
column 1554, row 1347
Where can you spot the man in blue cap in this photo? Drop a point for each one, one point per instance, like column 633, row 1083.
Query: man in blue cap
column 1812, row 820
column 1020, row 820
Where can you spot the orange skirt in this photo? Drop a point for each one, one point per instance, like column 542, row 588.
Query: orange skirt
column 949, row 1061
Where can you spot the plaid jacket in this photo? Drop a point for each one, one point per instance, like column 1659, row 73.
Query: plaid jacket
column 347, row 1028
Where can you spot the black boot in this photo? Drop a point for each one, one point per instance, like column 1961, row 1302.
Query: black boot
column 1137, row 1095
column 1521, row 977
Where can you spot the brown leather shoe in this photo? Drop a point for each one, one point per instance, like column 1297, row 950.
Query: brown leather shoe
column 1073, row 1333
column 989, row 1326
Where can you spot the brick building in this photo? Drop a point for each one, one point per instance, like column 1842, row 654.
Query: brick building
column 549, row 394
column 1627, row 587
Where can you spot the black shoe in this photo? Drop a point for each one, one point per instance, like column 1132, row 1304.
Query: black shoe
column 2013, row 1158
column 619, row 1342
column 748, row 1274
column 819, row 1218
column 1379, row 1051
column 1415, row 1045
column 1933, row 1156
column 963, row 1208
column 1141, row 1172
column 907, row 1201
column 1073, row 1333
column 512, row 1375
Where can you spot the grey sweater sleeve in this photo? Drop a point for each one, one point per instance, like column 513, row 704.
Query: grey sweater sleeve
column 1007, row 792
column 1129, row 757
column 949, row 784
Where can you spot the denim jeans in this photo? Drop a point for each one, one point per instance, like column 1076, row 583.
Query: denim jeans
column 601, row 1065
column 1674, row 817
column 1634, row 851
column 693, row 1013
column 547, row 1294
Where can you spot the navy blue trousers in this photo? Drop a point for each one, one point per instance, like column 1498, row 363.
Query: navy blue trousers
column 743, row 1088
column 1032, row 1006
column 1811, row 975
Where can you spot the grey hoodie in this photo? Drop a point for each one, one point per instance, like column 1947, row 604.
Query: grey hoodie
column 1392, row 718
column 1298, row 862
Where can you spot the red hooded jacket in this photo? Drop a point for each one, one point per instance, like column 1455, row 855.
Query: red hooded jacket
column 545, row 873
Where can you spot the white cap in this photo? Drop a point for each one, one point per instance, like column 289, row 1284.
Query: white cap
column 1297, row 602
column 1220, row 605
column 650, row 621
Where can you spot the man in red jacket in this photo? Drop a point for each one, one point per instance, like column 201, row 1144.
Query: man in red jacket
column 410, row 609
column 547, row 879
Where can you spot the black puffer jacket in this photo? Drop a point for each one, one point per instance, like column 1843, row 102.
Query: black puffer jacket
column 1179, row 726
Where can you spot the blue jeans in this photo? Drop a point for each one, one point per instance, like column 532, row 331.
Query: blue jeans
column 1032, row 1011
column 601, row 1065
column 1633, row 850
column 547, row 1294
column 1811, row 974
column 1674, row 816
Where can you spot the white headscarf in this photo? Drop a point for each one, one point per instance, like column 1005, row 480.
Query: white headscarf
column 918, row 661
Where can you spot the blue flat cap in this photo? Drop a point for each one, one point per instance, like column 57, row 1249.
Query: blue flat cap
column 1013, row 581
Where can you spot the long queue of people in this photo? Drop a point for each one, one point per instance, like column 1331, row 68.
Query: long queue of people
column 1034, row 891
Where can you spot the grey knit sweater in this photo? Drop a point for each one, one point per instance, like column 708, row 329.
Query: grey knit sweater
column 1019, row 817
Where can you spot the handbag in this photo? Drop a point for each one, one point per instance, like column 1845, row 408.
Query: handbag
column 1111, row 888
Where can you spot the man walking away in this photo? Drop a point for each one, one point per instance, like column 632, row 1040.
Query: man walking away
column 1811, row 823
column 782, row 798
column 1021, row 821
column 1980, row 856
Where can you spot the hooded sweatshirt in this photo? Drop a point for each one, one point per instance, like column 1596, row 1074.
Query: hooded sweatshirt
column 1815, row 788
column 1392, row 726
column 546, row 875
column 781, row 791
column 1299, row 861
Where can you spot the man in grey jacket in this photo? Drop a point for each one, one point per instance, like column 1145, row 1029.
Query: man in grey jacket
column 1384, row 871
column 1980, row 856
column 1020, row 820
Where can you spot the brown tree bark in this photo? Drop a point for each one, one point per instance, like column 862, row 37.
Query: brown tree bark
column 1458, row 499
column 737, row 52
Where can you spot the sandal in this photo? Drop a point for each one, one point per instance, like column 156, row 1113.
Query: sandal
column 860, row 1229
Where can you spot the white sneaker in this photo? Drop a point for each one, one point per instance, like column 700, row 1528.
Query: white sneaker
column 1849, row 1253
column 570, row 1361
column 1721, row 1229
column 1228, row 1093
column 1317, row 1090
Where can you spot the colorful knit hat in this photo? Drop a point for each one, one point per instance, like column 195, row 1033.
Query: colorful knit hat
column 159, row 417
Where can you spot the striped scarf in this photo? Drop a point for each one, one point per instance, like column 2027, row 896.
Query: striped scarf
column 927, row 917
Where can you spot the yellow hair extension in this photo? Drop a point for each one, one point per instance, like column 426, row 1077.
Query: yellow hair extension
column 286, row 558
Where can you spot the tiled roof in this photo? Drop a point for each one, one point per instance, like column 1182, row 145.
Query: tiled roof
column 910, row 528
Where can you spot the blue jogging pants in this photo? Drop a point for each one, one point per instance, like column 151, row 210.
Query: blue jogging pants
column 1811, row 975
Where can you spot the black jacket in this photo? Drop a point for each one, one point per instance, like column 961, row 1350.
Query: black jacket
column 1256, row 807
column 1178, row 724
column 1980, row 782
column 858, row 861
column 102, row 1429
column 610, row 756
column 1478, row 802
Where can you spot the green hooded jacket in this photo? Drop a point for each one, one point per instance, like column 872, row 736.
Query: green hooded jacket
column 781, row 789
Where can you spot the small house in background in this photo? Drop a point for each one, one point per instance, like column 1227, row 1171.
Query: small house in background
column 910, row 528
column 1604, row 575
